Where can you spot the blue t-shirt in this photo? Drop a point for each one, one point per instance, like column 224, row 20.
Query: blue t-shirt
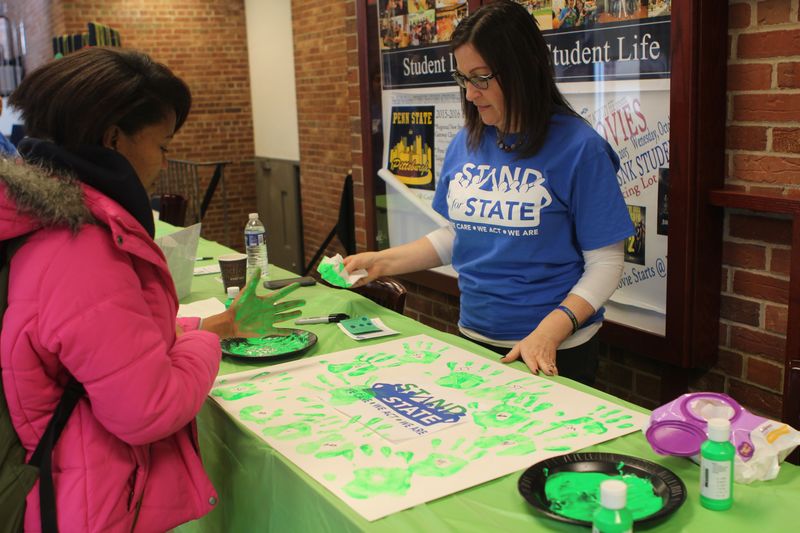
column 521, row 224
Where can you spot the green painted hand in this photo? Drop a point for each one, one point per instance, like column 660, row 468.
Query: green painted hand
column 235, row 392
column 517, row 409
column 257, row 315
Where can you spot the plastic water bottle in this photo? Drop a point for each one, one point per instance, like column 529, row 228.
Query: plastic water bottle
column 255, row 245
column 716, row 466
column 612, row 516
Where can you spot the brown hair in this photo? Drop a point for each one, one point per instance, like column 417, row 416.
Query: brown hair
column 72, row 101
column 509, row 41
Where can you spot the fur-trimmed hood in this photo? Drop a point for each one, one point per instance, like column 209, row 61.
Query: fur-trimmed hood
column 88, row 184
column 99, row 170
column 34, row 197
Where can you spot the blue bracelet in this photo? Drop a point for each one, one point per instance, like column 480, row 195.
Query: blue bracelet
column 571, row 316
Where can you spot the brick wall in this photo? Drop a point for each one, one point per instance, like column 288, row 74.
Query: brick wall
column 204, row 42
column 326, row 77
column 763, row 154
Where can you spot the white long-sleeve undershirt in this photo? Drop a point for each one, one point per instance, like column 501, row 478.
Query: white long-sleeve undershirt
column 601, row 273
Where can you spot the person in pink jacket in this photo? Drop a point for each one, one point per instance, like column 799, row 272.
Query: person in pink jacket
column 90, row 296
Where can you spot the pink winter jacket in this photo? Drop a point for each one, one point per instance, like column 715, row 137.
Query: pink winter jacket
column 90, row 295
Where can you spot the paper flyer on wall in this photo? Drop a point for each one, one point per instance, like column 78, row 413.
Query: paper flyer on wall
column 393, row 425
column 411, row 145
column 636, row 124
column 420, row 126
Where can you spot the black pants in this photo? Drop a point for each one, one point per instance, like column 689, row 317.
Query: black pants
column 578, row 363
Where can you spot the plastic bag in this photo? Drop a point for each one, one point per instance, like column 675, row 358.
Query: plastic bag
column 679, row 428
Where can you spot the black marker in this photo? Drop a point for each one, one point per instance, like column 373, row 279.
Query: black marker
column 338, row 317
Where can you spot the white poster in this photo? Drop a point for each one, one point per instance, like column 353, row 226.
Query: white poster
column 635, row 123
column 393, row 425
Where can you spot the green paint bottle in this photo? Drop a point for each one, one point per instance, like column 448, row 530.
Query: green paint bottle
column 232, row 292
column 612, row 516
column 716, row 466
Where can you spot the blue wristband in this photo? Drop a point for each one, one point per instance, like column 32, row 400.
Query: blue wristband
column 571, row 316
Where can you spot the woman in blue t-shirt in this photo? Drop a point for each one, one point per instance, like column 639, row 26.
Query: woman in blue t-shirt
column 537, row 220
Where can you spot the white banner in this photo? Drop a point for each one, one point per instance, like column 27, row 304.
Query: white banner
column 636, row 124
column 393, row 425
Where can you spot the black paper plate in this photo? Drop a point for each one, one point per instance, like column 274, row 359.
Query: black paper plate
column 665, row 483
column 278, row 355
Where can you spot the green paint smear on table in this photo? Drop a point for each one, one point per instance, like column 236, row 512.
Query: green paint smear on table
column 333, row 276
column 272, row 345
column 576, row 494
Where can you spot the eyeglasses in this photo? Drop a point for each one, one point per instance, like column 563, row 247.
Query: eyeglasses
column 479, row 82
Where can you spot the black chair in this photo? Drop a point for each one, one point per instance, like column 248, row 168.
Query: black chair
column 345, row 227
column 171, row 208
column 791, row 398
column 387, row 292
column 183, row 178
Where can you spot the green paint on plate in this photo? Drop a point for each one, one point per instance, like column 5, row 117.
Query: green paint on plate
column 576, row 494
column 271, row 345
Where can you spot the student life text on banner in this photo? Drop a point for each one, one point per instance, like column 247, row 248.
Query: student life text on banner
column 611, row 61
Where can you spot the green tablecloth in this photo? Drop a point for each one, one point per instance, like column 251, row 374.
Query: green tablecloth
column 260, row 490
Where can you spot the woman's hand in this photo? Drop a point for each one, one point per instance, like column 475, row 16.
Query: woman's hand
column 369, row 261
column 251, row 315
column 409, row 257
column 255, row 315
column 538, row 350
